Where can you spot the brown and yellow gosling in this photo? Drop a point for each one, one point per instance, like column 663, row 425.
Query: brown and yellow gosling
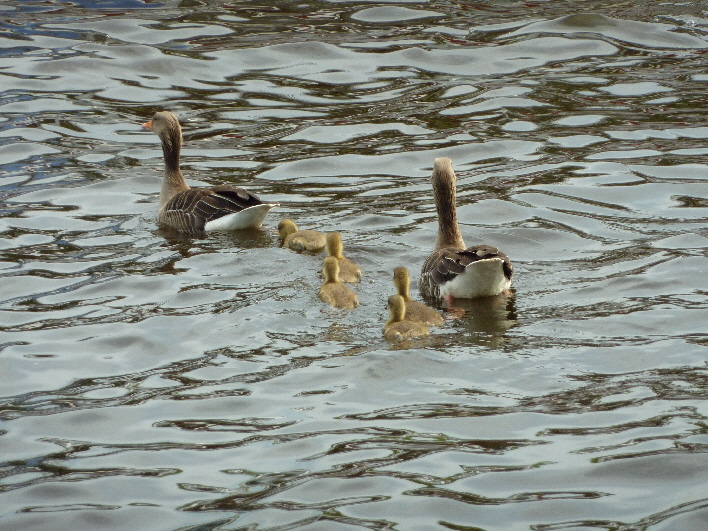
column 348, row 270
column 415, row 311
column 333, row 291
column 311, row 241
column 398, row 327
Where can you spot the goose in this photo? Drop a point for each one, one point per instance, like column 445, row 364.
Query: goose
column 397, row 326
column 333, row 291
column 415, row 311
column 223, row 207
column 348, row 270
column 454, row 270
column 300, row 240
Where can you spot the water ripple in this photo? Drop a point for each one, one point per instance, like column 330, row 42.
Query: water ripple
column 156, row 380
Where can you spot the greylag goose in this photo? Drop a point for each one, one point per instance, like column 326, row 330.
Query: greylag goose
column 348, row 270
column 454, row 270
column 300, row 240
column 333, row 291
column 397, row 326
column 223, row 207
column 415, row 311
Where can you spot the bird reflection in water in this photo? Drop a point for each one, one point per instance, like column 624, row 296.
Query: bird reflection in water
column 485, row 319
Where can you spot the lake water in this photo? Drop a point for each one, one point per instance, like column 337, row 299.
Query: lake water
column 159, row 382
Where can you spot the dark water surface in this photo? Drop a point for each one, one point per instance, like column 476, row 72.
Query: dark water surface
column 156, row 382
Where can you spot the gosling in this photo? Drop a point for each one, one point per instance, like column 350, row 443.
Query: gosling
column 333, row 291
column 348, row 270
column 397, row 327
column 415, row 311
column 311, row 241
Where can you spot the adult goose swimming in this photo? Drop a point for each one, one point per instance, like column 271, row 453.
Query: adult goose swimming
column 454, row 270
column 222, row 207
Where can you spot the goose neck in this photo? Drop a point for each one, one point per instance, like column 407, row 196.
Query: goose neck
column 449, row 234
column 174, row 181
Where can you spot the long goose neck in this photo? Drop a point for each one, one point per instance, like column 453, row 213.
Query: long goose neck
column 449, row 234
column 173, row 182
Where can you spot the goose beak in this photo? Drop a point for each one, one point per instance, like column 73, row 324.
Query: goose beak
column 147, row 125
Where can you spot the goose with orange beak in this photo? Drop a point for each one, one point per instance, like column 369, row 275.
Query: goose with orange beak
column 218, row 208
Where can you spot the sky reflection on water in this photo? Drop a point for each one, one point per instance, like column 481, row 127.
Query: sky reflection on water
column 156, row 381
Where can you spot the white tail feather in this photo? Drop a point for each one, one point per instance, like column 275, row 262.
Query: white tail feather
column 480, row 279
column 248, row 218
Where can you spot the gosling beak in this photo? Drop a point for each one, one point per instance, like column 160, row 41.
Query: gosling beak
column 148, row 125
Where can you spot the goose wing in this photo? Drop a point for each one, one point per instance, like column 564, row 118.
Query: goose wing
column 444, row 265
column 192, row 209
column 219, row 201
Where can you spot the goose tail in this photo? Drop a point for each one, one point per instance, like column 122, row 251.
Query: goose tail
column 248, row 218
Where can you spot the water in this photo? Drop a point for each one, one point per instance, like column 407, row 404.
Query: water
column 153, row 381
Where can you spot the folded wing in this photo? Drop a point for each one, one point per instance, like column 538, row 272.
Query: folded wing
column 192, row 209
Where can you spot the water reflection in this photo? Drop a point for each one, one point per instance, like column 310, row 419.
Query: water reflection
column 241, row 239
column 487, row 316
column 150, row 379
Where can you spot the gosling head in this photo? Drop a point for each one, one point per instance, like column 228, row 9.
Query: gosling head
column 330, row 269
column 334, row 245
column 397, row 308
column 402, row 282
column 286, row 227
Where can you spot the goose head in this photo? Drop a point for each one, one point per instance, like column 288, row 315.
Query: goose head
column 444, row 183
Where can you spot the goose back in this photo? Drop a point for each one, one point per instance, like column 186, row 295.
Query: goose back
column 477, row 271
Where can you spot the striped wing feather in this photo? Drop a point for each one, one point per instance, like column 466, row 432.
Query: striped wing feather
column 444, row 265
column 194, row 208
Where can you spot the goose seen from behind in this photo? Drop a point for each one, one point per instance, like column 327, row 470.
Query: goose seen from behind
column 185, row 209
column 454, row 270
